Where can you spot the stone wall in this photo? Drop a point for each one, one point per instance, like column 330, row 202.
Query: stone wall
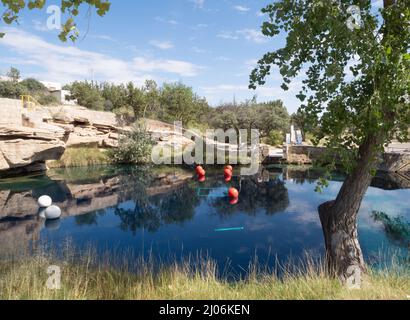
column 390, row 162
column 302, row 154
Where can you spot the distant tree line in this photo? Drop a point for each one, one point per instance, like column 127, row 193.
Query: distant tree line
column 172, row 101
column 270, row 118
column 14, row 88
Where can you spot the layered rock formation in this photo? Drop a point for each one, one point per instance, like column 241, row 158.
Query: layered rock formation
column 30, row 137
column 25, row 143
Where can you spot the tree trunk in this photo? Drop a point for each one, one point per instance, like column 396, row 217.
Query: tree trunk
column 339, row 219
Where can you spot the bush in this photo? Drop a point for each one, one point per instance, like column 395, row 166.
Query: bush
column 275, row 138
column 47, row 100
column 133, row 147
column 33, row 85
column 9, row 89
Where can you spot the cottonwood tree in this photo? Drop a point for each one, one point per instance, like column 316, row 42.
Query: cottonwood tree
column 69, row 7
column 356, row 79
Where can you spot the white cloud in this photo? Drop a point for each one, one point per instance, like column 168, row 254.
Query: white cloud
column 40, row 26
column 182, row 68
column 198, row 3
column 202, row 25
column 198, row 50
column 248, row 34
column 253, row 35
column 163, row 45
column 241, row 8
column 228, row 35
column 168, row 21
column 222, row 58
column 64, row 63
column 103, row 37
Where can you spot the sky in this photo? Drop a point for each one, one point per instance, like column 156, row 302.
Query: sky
column 210, row 45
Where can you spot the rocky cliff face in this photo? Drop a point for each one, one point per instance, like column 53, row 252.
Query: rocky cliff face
column 30, row 137
column 25, row 142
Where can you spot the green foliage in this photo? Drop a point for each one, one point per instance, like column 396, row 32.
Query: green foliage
column 69, row 7
column 87, row 94
column 11, row 90
column 47, row 99
column 14, row 75
column 179, row 102
column 170, row 103
column 134, row 147
column 356, row 83
column 33, row 85
column 396, row 228
column 14, row 89
column 265, row 116
column 275, row 138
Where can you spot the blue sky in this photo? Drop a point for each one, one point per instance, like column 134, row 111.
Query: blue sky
column 211, row 45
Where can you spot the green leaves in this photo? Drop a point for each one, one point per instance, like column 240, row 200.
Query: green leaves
column 353, row 81
column 71, row 8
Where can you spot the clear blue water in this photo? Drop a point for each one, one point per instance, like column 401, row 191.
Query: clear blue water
column 169, row 215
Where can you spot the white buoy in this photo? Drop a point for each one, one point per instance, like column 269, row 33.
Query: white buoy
column 45, row 201
column 52, row 213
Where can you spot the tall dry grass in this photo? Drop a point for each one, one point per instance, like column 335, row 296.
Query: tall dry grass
column 87, row 276
column 81, row 157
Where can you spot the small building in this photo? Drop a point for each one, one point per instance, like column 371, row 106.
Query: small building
column 63, row 97
column 56, row 90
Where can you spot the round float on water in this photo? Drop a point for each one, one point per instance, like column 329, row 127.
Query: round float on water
column 53, row 213
column 45, row 201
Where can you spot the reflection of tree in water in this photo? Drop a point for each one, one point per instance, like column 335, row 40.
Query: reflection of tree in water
column 89, row 219
column 150, row 212
column 272, row 196
column 397, row 229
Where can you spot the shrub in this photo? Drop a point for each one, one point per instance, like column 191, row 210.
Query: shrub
column 47, row 99
column 9, row 89
column 133, row 147
column 275, row 138
column 33, row 85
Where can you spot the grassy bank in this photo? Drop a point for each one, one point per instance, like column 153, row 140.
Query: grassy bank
column 25, row 278
column 81, row 157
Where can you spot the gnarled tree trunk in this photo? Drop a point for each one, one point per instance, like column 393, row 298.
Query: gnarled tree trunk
column 339, row 219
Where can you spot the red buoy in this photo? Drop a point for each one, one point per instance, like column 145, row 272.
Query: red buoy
column 233, row 193
column 201, row 178
column 229, row 167
column 201, row 173
column 227, row 172
column 234, row 201
column 228, row 178
column 198, row 169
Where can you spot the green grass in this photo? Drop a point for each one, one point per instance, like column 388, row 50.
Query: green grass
column 25, row 278
column 81, row 157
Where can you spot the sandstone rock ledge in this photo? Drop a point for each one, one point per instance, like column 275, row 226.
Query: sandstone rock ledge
column 24, row 149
